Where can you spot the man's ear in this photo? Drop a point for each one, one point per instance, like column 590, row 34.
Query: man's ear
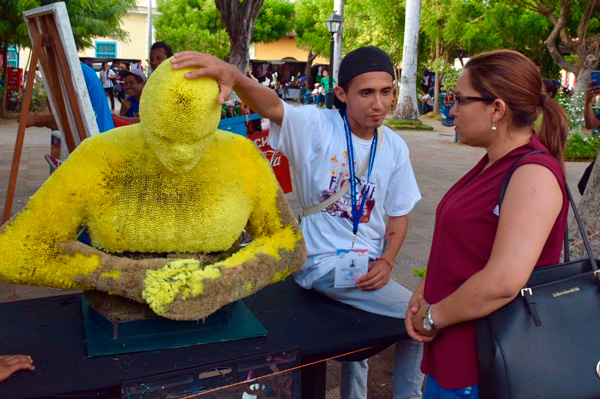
column 340, row 93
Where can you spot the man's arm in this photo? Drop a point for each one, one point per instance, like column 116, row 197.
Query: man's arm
column 125, row 106
column 256, row 96
column 129, row 119
column 591, row 122
column 38, row 120
column 380, row 271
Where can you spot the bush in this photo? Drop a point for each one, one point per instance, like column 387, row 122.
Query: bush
column 39, row 98
column 582, row 147
column 574, row 108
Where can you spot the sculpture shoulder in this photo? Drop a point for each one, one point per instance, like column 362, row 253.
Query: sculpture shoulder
column 236, row 145
column 121, row 140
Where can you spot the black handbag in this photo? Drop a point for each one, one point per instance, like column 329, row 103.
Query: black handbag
column 546, row 342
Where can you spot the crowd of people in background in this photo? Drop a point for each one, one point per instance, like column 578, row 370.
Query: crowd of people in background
column 126, row 80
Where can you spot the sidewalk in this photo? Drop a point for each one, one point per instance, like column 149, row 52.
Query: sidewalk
column 438, row 162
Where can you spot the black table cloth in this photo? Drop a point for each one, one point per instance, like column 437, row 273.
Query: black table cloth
column 51, row 331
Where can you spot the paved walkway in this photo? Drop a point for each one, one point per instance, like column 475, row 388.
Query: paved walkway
column 437, row 161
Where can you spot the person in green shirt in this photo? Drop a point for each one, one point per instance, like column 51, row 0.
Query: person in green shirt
column 325, row 84
column 325, row 80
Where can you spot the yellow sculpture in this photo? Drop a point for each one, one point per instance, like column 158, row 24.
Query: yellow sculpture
column 171, row 184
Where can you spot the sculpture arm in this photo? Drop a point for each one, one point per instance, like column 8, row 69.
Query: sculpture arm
column 29, row 243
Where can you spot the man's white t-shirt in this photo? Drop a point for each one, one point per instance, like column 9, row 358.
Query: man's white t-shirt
column 314, row 140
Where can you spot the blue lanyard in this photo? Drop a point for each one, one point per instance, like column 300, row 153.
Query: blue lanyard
column 357, row 211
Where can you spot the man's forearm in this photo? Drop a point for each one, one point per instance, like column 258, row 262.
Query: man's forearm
column 395, row 233
column 259, row 98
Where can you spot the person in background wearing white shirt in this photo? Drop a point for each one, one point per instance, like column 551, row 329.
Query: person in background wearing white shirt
column 107, row 76
column 316, row 96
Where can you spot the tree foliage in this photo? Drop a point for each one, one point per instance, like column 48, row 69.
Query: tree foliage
column 376, row 23
column 192, row 25
column 223, row 28
column 310, row 29
column 275, row 20
column 576, row 23
column 89, row 19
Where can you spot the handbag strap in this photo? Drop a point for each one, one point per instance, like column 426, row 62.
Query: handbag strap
column 586, row 242
column 343, row 190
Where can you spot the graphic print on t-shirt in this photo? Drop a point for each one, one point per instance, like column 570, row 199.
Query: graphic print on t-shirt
column 339, row 177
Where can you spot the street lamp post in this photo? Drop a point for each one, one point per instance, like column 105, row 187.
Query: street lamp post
column 334, row 21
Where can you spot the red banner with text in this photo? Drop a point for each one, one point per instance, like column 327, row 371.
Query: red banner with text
column 279, row 163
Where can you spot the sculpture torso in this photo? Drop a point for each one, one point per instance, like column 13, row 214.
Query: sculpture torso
column 146, row 208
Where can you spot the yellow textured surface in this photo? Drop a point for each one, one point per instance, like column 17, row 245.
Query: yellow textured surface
column 185, row 276
column 172, row 183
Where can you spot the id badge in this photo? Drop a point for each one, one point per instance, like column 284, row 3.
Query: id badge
column 350, row 264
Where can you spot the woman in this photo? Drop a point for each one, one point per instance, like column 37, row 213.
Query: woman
column 481, row 257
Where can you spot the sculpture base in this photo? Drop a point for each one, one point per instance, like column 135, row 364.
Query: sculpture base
column 115, row 325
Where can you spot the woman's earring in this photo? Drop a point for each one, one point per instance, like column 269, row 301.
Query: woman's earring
column 494, row 126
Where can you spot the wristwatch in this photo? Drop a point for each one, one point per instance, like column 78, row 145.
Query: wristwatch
column 428, row 323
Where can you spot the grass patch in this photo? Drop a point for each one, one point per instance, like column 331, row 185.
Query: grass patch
column 431, row 115
column 407, row 125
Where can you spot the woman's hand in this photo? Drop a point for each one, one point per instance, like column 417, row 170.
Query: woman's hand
column 417, row 318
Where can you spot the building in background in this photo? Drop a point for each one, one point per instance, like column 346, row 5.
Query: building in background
column 137, row 47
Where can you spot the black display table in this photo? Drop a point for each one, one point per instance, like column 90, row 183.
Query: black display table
column 51, row 331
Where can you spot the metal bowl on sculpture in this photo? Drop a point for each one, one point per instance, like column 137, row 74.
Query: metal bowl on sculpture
column 165, row 203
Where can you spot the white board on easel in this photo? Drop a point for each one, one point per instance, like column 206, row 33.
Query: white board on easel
column 61, row 70
column 55, row 52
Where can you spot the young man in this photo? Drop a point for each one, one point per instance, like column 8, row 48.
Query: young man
column 135, row 80
column 323, row 145
column 159, row 52
column 325, row 84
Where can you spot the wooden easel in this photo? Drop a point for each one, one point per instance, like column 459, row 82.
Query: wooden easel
column 54, row 48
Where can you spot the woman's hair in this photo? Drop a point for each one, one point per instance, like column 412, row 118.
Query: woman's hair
column 550, row 87
column 514, row 78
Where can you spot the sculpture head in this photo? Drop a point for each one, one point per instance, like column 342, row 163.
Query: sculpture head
column 179, row 117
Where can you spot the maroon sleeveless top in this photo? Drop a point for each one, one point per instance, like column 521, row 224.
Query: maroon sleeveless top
column 465, row 228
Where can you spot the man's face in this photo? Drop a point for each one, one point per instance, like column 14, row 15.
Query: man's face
column 325, row 74
column 157, row 56
column 132, row 87
column 368, row 98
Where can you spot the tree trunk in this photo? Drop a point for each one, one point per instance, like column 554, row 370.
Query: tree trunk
column 438, row 80
column 407, row 99
column 308, row 69
column 589, row 209
column 239, row 18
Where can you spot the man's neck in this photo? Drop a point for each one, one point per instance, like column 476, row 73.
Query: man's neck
column 364, row 133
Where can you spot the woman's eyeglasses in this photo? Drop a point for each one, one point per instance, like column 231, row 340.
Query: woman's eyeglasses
column 460, row 100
